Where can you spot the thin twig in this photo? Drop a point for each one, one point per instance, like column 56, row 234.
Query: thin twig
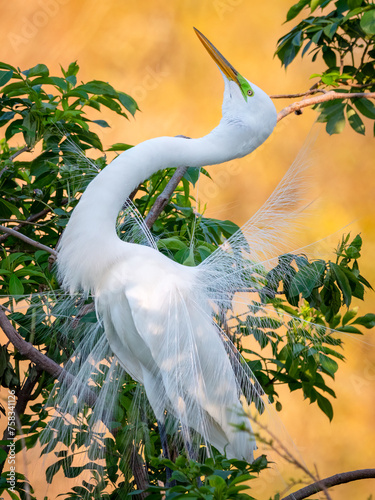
column 329, row 96
column 368, row 42
column 33, row 218
column 283, row 452
column 301, row 94
column 162, row 200
column 357, row 85
column 27, row 240
column 328, row 482
column 17, row 153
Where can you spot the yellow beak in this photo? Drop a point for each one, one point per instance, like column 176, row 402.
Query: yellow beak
column 219, row 59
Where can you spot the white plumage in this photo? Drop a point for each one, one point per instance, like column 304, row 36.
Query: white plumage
column 158, row 315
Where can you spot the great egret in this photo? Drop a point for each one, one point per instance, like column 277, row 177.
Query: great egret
column 158, row 314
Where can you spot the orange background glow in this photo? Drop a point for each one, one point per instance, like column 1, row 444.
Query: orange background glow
column 149, row 50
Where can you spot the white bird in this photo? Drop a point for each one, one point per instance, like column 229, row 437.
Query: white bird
column 158, row 315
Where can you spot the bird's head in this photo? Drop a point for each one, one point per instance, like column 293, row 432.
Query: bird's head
column 244, row 103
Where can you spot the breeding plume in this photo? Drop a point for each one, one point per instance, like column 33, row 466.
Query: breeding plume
column 159, row 316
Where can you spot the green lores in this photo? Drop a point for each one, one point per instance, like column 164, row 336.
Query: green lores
column 245, row 87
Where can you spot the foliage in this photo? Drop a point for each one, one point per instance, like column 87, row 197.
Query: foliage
column 52, row 116
column 343, row 35
column 297, row 319
column 214, row 479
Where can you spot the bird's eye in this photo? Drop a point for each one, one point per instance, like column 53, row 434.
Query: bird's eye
column 250, row 92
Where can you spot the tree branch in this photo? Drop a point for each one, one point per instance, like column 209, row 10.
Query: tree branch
column 329, row 96
column 43, row 362
column 139, row 472
column 342, row 478
column 162, row 200
column 27, row 240
column 301, row 94
column 17, row 153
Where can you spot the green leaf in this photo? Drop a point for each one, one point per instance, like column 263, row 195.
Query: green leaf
column 316, row 37
column 353, row 250
column 59, row 82
column 119, row 146
column 354, row 120
column 52, row 470
column 179, row 476
column 216, row 481
column 342, row 282
column 329, row 31
column 72, row 80
column 367, row 22
column 329, row 57
column 314, row 4
column 353, row 4
column 9, row 115
column 349, row 329
column 5, row 76
column 7, row 67
column 296, row 9
column 111, row 104
column 72, row 69
column 287, row 53
column 11, row 209
column 38, row 70
column 98, row 88
column 173, row 243
column 349, row 315
column 329, row 110
column 336, row 123
column 368, row 320
column 101, row 123
column 14, row 128
column 325, row 405
column 307, row 278
column 128, row 102
column 15, row 285
column 366, row 107
column 329, row 364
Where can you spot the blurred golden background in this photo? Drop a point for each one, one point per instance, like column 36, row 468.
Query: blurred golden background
column 149, row 50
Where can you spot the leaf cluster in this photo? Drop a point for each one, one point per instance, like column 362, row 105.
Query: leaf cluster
column 299, row 319
column 343, row 35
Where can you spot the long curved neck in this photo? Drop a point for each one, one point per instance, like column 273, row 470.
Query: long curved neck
column 107, row 192
column 89, row 244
